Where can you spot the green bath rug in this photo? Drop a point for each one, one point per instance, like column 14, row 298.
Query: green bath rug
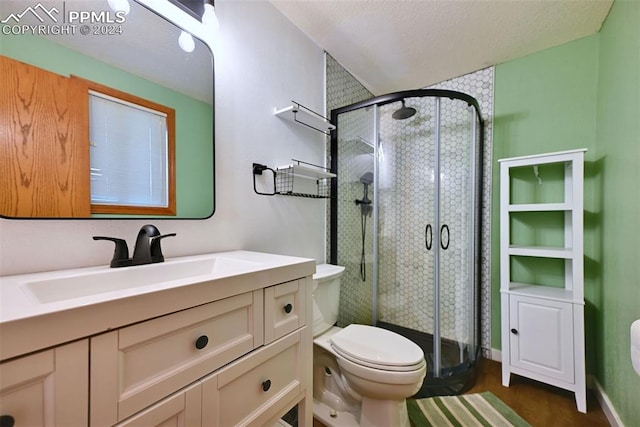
column 468, row 410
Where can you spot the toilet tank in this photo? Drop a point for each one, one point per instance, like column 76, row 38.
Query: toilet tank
column 326, row 297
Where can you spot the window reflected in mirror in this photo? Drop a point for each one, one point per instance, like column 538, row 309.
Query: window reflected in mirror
column 132, row 153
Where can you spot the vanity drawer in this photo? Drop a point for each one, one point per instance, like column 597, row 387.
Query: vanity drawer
column 255, row 389
column 284, row 309
column 135, row 366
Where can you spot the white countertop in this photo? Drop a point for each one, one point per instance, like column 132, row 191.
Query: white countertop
column 29, row 322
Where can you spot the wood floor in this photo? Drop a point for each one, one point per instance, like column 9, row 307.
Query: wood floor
column 539, row 404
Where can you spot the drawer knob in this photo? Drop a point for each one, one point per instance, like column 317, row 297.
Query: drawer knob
column 288, row 308
column 266, row 385
column 514, row 331
column 202, row 342
column 7, row 421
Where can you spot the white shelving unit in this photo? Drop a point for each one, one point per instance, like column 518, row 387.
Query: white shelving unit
column 542, row 270
column 300, row 114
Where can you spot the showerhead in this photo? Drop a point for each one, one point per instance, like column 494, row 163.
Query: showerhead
column 367, row 178
column 403, row 112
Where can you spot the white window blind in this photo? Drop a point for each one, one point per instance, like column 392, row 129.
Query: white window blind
column 129, row 153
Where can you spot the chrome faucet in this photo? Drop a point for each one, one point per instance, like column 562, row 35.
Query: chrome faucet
column 146, row 251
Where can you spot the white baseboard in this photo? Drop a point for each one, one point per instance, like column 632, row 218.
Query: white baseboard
column 608, row 409
column 496, row 355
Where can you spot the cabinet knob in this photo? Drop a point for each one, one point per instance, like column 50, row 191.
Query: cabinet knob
column 514, row 331
column 266, row 385
column 202, row 342
column 7, row 421
column 288, row 308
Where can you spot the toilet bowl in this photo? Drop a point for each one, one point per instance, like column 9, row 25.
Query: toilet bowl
column 362, row 374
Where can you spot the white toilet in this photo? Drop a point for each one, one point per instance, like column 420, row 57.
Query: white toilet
column 361, row 374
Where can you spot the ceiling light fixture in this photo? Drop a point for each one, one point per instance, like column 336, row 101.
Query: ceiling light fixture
column 120, row 5
column 186, row 42
column 209, row 17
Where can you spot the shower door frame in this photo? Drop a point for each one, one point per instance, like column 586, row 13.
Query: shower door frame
column 478, row 130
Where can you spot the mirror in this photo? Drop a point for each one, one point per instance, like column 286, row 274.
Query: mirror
column 137, row 53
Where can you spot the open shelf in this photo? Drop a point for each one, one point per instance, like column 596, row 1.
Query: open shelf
column 546, row 292
column 540, row 251
column 303, row 171
column 300, row 114
column 539, row 207
column 300, row 180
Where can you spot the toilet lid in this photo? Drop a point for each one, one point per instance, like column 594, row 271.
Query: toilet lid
column 377, row 347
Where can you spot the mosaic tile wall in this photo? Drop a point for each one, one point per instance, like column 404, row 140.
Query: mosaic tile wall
column 356, row 157
column 406, row 197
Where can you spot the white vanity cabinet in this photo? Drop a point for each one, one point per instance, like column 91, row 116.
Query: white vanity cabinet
column 47, row 388
column 233, row 350
column 541, row 270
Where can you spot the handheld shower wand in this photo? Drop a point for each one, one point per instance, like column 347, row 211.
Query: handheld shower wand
column 365, row 210
column 365, row 203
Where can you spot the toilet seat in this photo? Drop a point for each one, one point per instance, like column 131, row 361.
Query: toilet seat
column 377, row 348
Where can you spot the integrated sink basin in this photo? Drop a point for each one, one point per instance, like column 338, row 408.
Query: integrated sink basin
column 45, row 309
column 88, row 282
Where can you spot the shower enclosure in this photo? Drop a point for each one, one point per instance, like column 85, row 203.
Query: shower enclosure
column 405, row 223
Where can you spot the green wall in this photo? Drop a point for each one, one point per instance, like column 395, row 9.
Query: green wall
column 618, row 154
column 545, row 102
column 194, row 133
column 586, row 94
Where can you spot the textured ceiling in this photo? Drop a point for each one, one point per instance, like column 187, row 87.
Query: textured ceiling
column 392, row 45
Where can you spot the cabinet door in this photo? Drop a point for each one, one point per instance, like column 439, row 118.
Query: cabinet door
column 184, row 409
column 542, row 336
column 48, row 388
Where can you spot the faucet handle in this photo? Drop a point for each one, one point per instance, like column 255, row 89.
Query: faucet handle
column 120, row 253
column 156, row 249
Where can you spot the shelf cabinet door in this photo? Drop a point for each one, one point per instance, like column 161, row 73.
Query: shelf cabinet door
column 541, row 338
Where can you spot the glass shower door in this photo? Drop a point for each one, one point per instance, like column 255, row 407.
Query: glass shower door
column 407, row 233
column 456, row 238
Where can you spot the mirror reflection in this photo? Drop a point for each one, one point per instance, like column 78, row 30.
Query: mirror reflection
column 44, row 124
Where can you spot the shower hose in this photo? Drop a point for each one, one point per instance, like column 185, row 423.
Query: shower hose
column 363, row 271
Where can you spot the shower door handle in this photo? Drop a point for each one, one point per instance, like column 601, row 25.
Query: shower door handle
column 442, row 245
column 428, row 237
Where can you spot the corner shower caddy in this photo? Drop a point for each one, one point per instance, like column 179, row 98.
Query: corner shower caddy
column 285, row 177
column 300, row 114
